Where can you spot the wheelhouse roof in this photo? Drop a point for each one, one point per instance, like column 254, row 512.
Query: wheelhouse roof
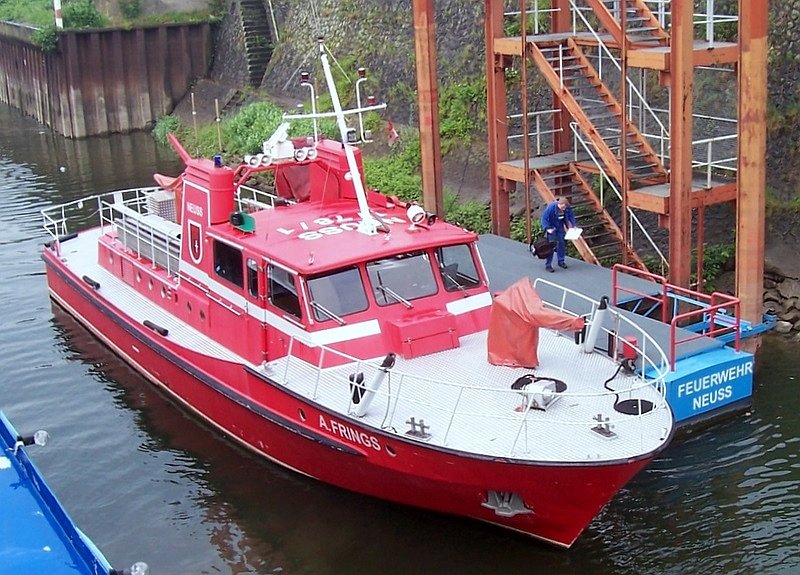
column 311, row 238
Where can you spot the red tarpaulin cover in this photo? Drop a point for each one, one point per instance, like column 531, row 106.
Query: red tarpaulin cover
column 516, row 316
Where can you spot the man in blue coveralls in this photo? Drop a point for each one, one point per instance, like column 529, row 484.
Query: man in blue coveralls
column 557, row 218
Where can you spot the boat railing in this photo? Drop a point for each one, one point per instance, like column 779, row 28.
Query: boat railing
column 249, row 199
column 464, row 406
column 620, row 332
column 131, row 214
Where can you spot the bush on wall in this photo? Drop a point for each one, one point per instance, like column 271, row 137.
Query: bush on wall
column 82, row 14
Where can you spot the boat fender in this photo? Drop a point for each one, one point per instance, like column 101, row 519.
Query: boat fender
column 357, row 388
column 156, row 328
column 596, row 325
column 374, row 384
column 95, row 285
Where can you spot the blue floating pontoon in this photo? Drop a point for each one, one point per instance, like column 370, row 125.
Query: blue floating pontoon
column 36, row 534
column 709, row 376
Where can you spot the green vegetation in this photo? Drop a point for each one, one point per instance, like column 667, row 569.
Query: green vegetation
column 242, row 134
column 80, row 14
column 539, row 14
column 717, row 258
column 33, row 12
column 131, row 9
column 46, row 38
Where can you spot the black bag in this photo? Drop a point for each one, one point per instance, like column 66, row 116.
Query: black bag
column 542, row 248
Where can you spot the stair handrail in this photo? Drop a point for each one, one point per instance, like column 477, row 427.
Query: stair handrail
column 710, row 164
column 631, row 86
column 537, row 116
column 589, row 150
column 710, row 18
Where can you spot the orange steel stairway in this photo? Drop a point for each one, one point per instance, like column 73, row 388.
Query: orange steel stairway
column 598, row 113
column 602, row 241
column 642, row 28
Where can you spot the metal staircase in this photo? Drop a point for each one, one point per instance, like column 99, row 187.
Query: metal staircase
column 606, row 136
column 580, row 88
column 602, row 241
column 642, row 28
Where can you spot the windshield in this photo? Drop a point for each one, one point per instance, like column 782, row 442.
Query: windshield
column 401, row 278
column 337, row 294
column 457, row 268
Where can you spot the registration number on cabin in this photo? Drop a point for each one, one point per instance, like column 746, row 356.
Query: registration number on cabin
column 331, row 226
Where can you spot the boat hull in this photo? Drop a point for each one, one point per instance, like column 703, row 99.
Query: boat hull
column 558, row 500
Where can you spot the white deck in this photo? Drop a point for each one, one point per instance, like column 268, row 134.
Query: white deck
column 466, row 403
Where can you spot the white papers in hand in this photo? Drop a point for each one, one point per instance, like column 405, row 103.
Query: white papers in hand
column 573, row 233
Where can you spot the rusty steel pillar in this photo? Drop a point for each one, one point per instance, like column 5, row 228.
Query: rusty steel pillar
column 562, row 134
column 497, row 125
column 428, row 100
column 681, row 106
column 751, row 184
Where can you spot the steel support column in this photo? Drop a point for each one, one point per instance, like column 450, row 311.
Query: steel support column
column 681, row 105
column 562, row 136
column 752, row 157
column 497, row 124
column 428, row 100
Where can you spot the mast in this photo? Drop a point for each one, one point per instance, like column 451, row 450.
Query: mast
column 368, row 224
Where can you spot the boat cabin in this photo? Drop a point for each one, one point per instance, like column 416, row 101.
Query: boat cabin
column 257, row 270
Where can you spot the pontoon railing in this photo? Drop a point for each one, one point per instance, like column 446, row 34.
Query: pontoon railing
column 700, row 315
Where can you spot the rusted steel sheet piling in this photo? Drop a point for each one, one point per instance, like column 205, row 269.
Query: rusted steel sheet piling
column 102, row 81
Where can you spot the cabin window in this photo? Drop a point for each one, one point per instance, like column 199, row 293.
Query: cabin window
column 228, row 263
column 402, row 278
column 252, row 277
column 457, row 268
column 337, row 294
column 282, row 290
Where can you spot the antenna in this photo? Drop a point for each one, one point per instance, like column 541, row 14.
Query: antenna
column 368, row 224
column 217, row 120
column 194, row 121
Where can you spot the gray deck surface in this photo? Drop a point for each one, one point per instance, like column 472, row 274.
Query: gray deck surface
column 507, row 260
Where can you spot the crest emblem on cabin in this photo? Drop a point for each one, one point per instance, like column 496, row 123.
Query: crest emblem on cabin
column 195, row 241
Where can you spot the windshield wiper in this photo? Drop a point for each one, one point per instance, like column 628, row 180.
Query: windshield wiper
column 329, row 313
column 395, row 296
column 455, row 282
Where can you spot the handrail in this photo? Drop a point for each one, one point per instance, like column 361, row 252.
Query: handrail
column 634, row 218
column 709, row 308
column 537, row 115
column 123, row 208
column 617, row 287
column 450, row 393
column 710, row 164
column 618, row 320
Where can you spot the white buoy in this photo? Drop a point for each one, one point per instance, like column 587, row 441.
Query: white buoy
column 372, row 387
column 596, row 326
